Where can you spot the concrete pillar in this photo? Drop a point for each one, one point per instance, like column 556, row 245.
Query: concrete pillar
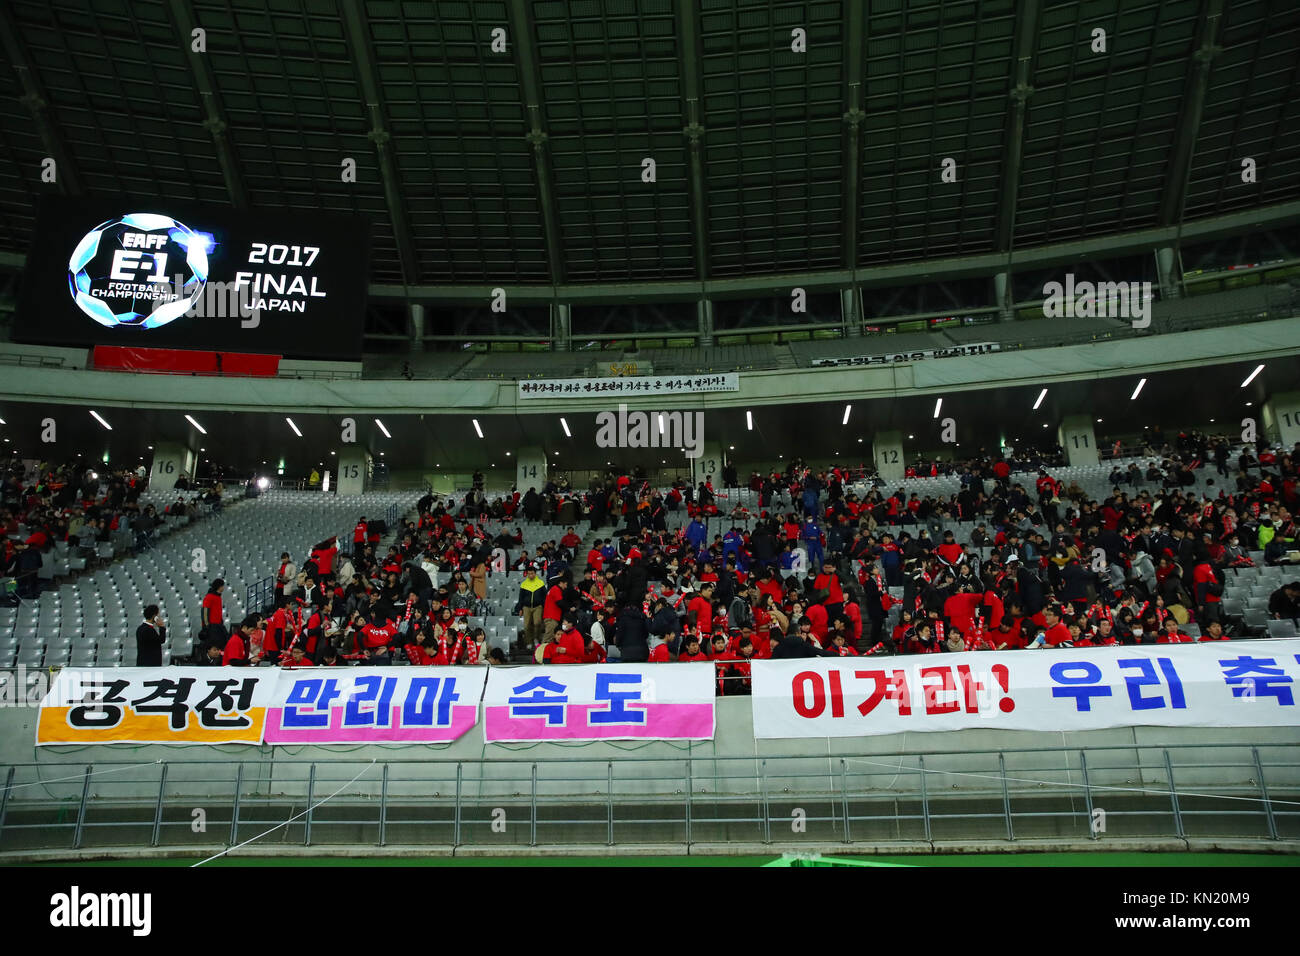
column 1077, row 436
column 1282, row 419
column 530, row 468
column 354, row 471
column 562, row 324
column 1002, row 296
column 851, row 310
column 1171, row 281
column 417, row 327
column 709, row 463
column 890, row 460
column 704, row 312
column 170, row 461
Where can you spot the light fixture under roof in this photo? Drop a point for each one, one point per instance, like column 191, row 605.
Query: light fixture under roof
column 749, row 420
column 294, row 427
column 97, row 417
column 1041, row 395
column 476, row 428
column 382, row 428
column 847, row 409
column 1137, row 390
column 567, row 433
column 937, row 405
column 1251, row 377
column 190, row 419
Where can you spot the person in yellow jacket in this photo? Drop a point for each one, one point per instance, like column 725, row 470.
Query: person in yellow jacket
column 532, row 598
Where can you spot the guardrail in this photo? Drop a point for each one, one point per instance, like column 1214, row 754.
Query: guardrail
column 1180, row 792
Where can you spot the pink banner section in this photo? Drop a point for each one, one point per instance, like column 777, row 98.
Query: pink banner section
column 462, row 719
column 662, row 722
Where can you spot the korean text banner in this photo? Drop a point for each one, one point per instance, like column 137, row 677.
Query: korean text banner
column 599, row 702
column 1218, row 684
column 156, row 705
column 374, row 705
column 630, row 386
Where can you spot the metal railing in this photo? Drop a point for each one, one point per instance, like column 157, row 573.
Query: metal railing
column 1131, row 792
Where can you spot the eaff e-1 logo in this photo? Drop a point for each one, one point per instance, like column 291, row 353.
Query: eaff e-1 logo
column 140, row 271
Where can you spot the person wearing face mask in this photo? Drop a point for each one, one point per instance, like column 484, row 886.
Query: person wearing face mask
column 570, row 646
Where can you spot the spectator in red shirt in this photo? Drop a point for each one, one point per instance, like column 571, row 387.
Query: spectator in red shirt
column 1054, row 633
column 298, row 658
column 692, row 651
column 211, row 613
column 375, row 639
column 551, row 610
column 699, row 613
column 570, row 647
column 1171, row 634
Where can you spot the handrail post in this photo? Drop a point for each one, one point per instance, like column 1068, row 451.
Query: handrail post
column 311, row 795
column 1263, row 791
column 844, row 796
column 1087, row 793
column 4, row 797
column 925, row 796
column 609, row 793
column 455, row 836
column 1173, row 795
column 383, row 807
column 157, row 810
column 1006, row 797
column 690, row 784
column 234, row 812
column 81, row 811
column 532, row 839
column 762, row 789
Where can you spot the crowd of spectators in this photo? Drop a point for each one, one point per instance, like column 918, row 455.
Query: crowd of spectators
column 78, row 503
column 812, row 570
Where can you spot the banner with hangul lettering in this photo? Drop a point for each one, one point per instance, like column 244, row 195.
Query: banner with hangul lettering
column 599, row 702
column 625, row 386
column 374, row 705
column 157, row 705
column 1211, row 684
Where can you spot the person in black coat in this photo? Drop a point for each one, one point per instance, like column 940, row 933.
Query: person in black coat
column 150, row 638
column 631, row 635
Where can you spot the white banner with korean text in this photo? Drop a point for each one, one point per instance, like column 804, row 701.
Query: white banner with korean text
column 600, row 702
column 629, row 386
column 1211, row 684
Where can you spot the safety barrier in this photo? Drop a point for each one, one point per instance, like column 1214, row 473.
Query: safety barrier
column 1181, row 792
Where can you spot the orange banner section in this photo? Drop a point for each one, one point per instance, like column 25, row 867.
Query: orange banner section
column 134, row 728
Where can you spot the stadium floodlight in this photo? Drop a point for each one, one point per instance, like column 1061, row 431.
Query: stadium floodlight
column 938, row 405
column 190, row 419
column 1137, row 390
column 97, row 417
column 382, row 428
column 749, row 420
column 294, row 427
column 1041, row 395
column 567, row 433
column 847, row 409
column 476, row 428
column 1251, row 377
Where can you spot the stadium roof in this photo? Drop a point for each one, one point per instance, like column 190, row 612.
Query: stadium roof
column 478, row 164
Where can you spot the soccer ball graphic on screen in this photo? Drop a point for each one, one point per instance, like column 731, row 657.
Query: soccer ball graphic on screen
column 140, row 271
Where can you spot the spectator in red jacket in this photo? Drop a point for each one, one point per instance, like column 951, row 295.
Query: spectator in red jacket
column 570, row 647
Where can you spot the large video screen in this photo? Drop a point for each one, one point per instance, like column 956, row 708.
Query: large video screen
column 152, row 274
